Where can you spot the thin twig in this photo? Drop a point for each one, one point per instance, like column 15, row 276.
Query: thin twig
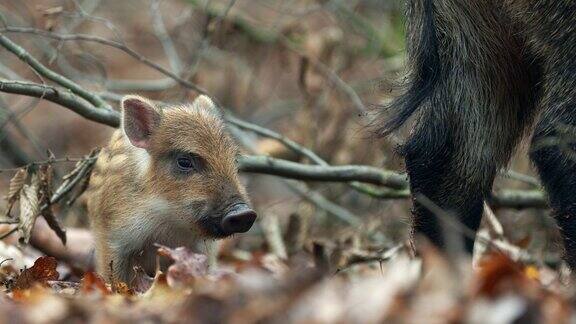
column 10, row 232
column 323, row 203
column 359, row 258
column 164, row 38
column 8, row 220
column 23, row 55
column 273, row 234
column 70, row 183
column 513, row 251
column 49, row 161
column 297, row 148
column 522, row 177
column 330, row 75
column 107, row 42
column 492, row 221
column 140, row 85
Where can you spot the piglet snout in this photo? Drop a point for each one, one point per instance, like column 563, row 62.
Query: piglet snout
column 238, row 219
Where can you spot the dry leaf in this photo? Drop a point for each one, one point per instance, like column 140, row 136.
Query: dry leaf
column 187, row 265
column 63, row 287
column 45, row 193
column 498, row 273
column 54, row 224
column 43, row 270
column 532, row 272
column 122, row 288
column 142, row 282
column 159, row 282
column 29, row 209
column 77, row 167
column 16, row 184
column 46, row 175
column 92, row 282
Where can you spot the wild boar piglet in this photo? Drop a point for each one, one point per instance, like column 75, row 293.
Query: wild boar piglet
column 168, row 176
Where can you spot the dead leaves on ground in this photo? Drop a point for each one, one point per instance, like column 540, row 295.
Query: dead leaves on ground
column 92, row 282
column 43, row 270
column 403, row 289
column 187, row 265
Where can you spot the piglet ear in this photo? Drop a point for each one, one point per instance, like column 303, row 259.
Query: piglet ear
column 140, row 118
column 203, row 102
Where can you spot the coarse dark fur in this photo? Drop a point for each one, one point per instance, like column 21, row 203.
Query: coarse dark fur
column 483, row 72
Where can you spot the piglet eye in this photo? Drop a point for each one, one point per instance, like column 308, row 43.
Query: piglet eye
column 184, row 163
column 187, row 162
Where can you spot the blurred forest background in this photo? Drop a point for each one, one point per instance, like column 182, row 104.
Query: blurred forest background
column 313, row 71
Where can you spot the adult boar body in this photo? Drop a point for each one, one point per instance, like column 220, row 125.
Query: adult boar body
column 483, row 74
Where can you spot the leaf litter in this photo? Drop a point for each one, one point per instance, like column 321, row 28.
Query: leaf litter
column 403, row 288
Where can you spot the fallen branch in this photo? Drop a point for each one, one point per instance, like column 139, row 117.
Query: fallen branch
column 323, row 203
column 341, row 173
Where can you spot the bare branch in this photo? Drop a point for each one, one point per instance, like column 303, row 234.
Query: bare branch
column 518, row 199
column 64, row 98
column 299, row 149
column 342, row 173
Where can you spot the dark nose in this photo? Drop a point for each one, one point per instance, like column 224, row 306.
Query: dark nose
column 238, row 219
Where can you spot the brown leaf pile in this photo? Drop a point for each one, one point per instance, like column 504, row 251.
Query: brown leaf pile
column 404, row 289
